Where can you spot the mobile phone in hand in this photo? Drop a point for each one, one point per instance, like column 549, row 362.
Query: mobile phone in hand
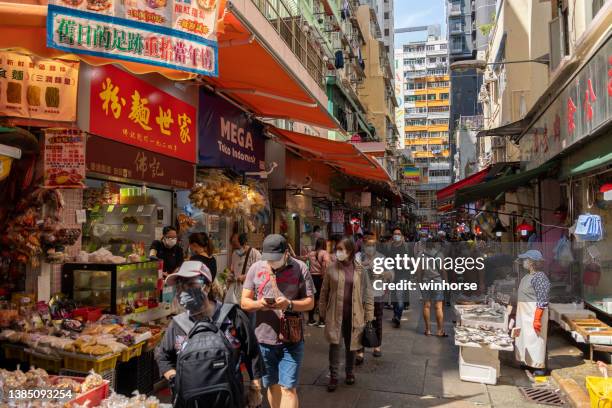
column 270, row 301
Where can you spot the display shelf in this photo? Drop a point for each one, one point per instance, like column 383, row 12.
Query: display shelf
column 485, row 346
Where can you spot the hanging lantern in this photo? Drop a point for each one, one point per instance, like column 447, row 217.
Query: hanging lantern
column 499, row 229
column 524, row 229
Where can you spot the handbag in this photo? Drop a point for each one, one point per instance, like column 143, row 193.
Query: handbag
column 369, row 338
column 234, row 290
column 291, row 328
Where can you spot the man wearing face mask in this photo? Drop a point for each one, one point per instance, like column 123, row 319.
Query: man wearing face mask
column 168, row 250
column 398, row 247
column 278, row 289
column 193, row 288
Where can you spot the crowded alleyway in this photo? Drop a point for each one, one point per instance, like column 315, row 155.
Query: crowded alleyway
column 414, row 371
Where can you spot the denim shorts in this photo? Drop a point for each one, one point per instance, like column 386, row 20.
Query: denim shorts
column 282, row 364
column 433, row 295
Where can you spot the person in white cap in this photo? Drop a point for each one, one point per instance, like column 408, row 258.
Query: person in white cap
column 532, row 313
column 193, row 283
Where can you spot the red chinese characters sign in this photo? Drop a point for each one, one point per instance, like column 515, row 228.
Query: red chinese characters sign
column 129, row 110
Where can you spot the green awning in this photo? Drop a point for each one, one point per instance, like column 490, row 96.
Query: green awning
column 493, row 188
column 592, row 164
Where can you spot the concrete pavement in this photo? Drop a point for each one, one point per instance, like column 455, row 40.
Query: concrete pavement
column 414, row 371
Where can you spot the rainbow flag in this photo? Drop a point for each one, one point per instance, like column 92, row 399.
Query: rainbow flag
column 412, row 173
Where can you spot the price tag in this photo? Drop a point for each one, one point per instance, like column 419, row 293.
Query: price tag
column 140, row 208
column 124, row 210
column 140, row 228
column 110, row 208
column 81, row 216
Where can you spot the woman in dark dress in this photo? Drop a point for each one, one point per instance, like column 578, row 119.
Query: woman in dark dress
column 202, row 250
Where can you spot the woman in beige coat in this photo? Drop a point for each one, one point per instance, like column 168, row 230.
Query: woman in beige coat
column 346, row 303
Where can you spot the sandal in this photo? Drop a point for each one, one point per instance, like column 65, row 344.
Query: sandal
column 426, row 333
column 359, row 359
column 442, row 335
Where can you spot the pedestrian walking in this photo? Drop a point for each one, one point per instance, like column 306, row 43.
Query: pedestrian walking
column 368, row 255
column 279, row 288
column 346, row 304
column 242, row 258
column 399, row 247
column 433, row 273
column 318, row 260
column 202, row 384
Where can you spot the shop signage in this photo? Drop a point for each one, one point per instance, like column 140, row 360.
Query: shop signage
column 228, row 137
column 581, row 108
column 125, row 36
column 38, row 88
column 64, row 158
column 129, row 162
column 129, row 110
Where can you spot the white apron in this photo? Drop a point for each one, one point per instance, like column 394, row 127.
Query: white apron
column 530, row 347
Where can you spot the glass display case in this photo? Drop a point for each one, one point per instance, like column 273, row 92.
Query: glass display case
column 117, row 289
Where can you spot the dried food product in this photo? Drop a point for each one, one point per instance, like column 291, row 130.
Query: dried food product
column 93, row 380
column 13, row 92
column 52, row 97
column 33, row 95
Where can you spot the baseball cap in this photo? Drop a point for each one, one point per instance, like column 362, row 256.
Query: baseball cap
column 532, row 254
column 274, row 247
column 190, row 269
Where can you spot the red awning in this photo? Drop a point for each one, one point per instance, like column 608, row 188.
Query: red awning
column 341, row 155
column 449, row 191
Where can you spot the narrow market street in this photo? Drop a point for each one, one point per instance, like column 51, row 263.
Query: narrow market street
column 414, row 371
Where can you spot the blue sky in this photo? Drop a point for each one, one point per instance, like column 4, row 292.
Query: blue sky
column 409, row 13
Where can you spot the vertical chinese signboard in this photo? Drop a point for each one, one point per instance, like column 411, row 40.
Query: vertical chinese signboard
column 38, row 88
column 129, row 110
column 178, row 34
column 64, row 158
column 580, row 109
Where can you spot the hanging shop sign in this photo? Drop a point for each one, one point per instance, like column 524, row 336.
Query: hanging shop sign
column 64, row 158
column 129, row 110
column 131, row 31
column 412, row 173
column 133, row 163
column 582, row 107
column 38, row 88
column 228, row 137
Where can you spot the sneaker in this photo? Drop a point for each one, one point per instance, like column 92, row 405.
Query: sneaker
column 350, row 379
column 321, row 324
column 312, row 323
column 396, row 322
column 377, row 353
column 332, row 384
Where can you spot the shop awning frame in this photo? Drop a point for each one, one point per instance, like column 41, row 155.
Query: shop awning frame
column 500, row 185
column 513, row 129
column 449, row 191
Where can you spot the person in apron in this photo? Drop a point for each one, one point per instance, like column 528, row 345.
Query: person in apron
column 532, row 313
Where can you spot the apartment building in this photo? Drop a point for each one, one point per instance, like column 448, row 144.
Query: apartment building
column 469, row 27
column 384, row 13
column 426, row 93
column 377, row 92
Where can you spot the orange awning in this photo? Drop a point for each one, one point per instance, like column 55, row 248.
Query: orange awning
column 252, row 76
column 247, row 71
column 341, row 155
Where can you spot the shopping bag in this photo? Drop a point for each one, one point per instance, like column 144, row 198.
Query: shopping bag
column 234, row 293
column 369, row 338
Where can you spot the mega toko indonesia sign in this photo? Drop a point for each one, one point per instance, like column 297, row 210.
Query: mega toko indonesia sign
column 136, row 34
column 228, row 137
column 579, row 110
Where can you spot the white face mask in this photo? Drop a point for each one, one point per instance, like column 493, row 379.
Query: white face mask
column 170, row 242
column 370, row 250
column 341, row 256
column 397, row 238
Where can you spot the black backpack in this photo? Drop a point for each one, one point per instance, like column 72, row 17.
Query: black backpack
column 208, row 366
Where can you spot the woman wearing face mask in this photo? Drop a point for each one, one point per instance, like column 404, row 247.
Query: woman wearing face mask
column 368, row 255
column 433, row 273
column 346, row 304
column 532, row 313
column 202, row 250
column 168, row 250
column 193, row 283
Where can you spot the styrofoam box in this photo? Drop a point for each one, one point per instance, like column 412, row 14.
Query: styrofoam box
column 479, row 365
